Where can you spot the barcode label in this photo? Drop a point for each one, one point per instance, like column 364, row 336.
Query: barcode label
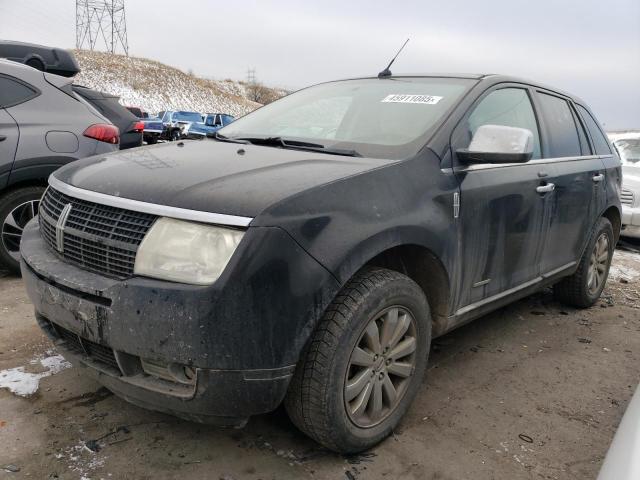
column 423, row 99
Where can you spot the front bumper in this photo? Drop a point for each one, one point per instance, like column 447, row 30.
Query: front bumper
column 241, row 343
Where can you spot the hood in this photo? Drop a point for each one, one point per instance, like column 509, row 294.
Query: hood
column 211, row 176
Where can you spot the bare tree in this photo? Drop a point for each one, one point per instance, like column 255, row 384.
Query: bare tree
column 259, row 93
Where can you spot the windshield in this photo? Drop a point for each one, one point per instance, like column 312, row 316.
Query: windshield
column 629, row 150
column 187, row 117
column 388, row 118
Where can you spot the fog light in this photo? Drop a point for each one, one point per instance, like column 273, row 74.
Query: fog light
column 173, row 372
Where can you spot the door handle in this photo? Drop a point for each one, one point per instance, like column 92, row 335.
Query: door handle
column 549, row 187
column 3, row 138
column 598, row 178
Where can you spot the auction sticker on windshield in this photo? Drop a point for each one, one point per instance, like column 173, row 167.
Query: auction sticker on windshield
column 423, row 99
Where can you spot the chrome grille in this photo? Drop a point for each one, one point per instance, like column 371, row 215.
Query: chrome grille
column 626, row 197
column 96, row 237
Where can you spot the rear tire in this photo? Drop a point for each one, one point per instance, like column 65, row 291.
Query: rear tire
column 17, row 207
column 584, row 287
column 344, row 394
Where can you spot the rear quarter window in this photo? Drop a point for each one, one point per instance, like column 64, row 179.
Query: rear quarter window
column 560, row 130
column 13, row 92
column 600, row 143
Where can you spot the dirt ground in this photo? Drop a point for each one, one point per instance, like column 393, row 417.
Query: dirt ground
column 534, row 390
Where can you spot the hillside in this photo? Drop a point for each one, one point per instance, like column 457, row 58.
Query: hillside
column 155, row 86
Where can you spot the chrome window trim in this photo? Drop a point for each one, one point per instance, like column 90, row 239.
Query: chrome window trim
column 542, row 161
column 152, row 208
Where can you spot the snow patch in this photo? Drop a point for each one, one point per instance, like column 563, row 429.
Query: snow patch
column 625, row 265
column 20, row 382
column 81, row 460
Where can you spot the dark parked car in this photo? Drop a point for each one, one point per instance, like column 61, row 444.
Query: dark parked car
column 131, row 127
column 43, row 58
column 215, row 280
column 43, row 125
column 153, row 129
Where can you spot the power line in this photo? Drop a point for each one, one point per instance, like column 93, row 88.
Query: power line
column 101, row 21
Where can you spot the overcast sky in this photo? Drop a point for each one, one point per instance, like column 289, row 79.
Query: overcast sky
column 590, row 48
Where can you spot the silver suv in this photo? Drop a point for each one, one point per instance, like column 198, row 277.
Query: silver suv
column 43, row 125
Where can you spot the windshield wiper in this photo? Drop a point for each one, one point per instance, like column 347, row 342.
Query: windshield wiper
column 298, row 145
column 223, row 138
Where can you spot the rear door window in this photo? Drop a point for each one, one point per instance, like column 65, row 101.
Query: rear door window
column 13, row 92
column 582, row 134
column 509, row 107
column 600, row 142
column 560, row 127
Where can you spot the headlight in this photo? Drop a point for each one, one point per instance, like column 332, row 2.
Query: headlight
column 185, row 252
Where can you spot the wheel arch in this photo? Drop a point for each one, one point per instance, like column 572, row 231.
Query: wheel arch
column 417, row 251
column 425, row 268
column 40, row 181
column 613, row 215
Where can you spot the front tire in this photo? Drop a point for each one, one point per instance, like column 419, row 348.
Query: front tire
column 364, row 363
column 584, row 287
column 17, row 207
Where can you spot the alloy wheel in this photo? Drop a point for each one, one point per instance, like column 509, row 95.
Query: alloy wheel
column 598, row 264
column 13, row 225
column 380, row 367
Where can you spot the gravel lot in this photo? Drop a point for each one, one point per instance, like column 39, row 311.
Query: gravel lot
column 534, row 390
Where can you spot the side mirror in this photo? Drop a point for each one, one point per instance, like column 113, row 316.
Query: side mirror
column 498, row 144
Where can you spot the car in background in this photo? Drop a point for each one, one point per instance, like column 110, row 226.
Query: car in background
column 130, row 126
column 212, row 123
column 138, row 112
column 43, row 125
column 153, row 128
column 628, row 147
column 218, row 119
column 43, row 58
column 176, row 124
column 62, row 62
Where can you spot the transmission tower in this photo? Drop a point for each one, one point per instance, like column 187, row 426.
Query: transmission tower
column 101, row 20
column 251, row 75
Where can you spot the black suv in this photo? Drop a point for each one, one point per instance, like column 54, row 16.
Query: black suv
column 312, row 252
